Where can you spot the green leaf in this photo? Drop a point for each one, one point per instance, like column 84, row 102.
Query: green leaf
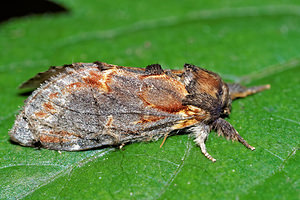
column 254, row 43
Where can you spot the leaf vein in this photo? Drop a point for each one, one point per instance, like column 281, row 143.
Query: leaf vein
column 62, row 172
column 178, row 169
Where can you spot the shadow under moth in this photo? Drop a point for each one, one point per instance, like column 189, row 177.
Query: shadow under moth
column 90, row 105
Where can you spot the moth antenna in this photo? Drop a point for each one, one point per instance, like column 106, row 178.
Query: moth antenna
column 225, row 129
column 244, row 142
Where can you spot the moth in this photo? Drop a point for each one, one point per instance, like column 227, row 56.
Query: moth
column 90, row 105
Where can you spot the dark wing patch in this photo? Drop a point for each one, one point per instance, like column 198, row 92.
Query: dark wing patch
column 41, row 77
column 103, row 66
column 154, row 69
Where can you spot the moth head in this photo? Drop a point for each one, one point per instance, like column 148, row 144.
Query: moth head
column 206, row 90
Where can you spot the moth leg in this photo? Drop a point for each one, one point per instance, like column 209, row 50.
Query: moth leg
column 201, row 133
column 225, row 129
column 239, row 91
column 164, row 140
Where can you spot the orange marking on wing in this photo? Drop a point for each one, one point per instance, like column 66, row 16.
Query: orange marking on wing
column 94, row 79
column 168, row 105
column 53, row 95
column 52, row 139
column 109, row 121
column 185, row 123
column 48, row 107
column 149, row 118
column 75, row 85
column 49, row 139
column 40, row 114
column 99, row 80
column 57, row 137
column 162, row 92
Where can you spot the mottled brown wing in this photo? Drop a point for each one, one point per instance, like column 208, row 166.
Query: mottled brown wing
column 88, row 107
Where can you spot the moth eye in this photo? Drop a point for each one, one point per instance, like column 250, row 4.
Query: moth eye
column 226, row 111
